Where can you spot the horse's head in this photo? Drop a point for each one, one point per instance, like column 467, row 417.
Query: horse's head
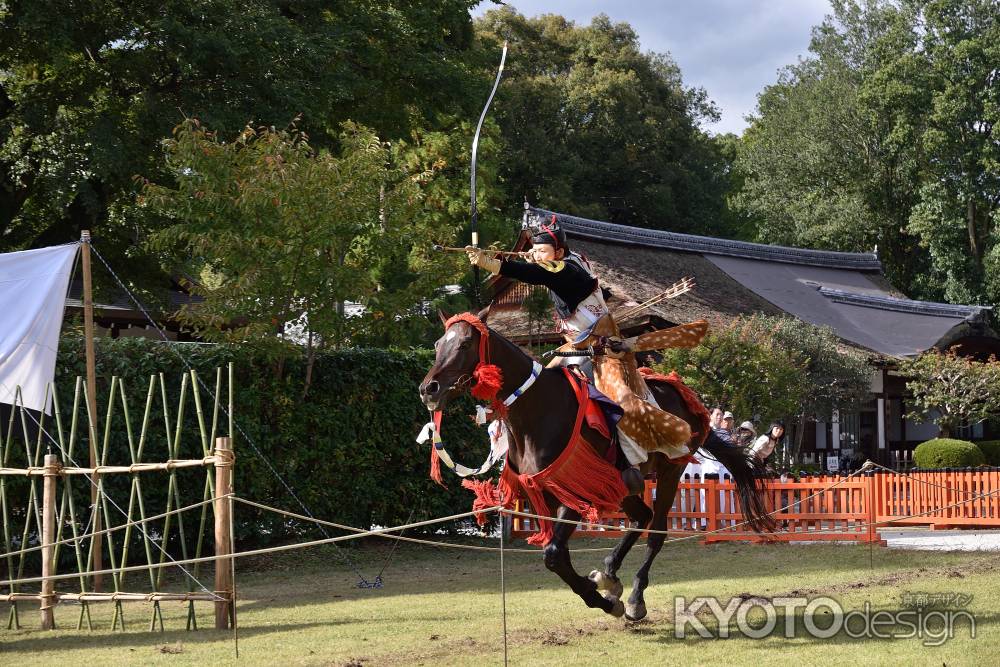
column 457, row 353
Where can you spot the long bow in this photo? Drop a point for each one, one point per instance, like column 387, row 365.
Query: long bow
column 475, row 151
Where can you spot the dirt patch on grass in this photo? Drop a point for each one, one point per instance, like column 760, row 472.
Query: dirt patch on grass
column 977, row 566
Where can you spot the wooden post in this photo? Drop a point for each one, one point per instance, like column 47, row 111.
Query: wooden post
column 871, row 497
column 48, row 599
column 711, row 508
column 223, row 543
column 88, row 331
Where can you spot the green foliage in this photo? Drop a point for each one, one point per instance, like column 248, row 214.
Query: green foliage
column 751, row 375
column 884, row 136
column 835, row 377
column 953, row 390
column 538, row 307
column 947, row 453
column 347, row 450
column 991, row 450
column 89, row 90
column 594, row 126
column 767, row 368
column 278, row 232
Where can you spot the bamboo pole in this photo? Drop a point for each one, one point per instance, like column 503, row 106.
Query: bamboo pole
column 88, row 331
column 39, row 471
column 111, row 597
column 223, row 541
column 48, row 537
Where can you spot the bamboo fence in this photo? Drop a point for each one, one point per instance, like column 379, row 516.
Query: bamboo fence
column 45, row 501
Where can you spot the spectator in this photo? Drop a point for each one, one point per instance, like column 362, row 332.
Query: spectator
column 765, row 444
column 745, row 434
column 725, row 430
column 715, row 418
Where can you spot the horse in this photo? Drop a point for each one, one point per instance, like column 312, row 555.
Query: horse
column 540, row 423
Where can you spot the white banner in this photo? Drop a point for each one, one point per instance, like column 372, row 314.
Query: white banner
column 33, row 285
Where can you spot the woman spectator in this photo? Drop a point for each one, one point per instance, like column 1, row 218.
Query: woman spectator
column 765, row 444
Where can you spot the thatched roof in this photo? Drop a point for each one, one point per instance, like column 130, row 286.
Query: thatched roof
column 845, row 291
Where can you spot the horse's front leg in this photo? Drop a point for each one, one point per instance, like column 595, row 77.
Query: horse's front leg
column 639, row 515
column 668, row 477
column 557, row 559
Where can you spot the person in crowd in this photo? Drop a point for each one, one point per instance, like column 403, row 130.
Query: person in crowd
column 765, row 444
column 745, row 434
column 725, row 428
column 715, row 418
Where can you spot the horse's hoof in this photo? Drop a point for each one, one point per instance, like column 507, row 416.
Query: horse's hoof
column 618, row 609
column 612, row 585
column 635, row 612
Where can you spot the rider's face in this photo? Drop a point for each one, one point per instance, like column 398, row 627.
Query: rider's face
column 543, row 252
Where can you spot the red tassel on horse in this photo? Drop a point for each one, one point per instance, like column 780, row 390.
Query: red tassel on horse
column 489, row 380
column 436, row 466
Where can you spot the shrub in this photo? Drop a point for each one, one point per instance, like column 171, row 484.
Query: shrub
column 947, row 453
column 991, row 450
column 347, row 448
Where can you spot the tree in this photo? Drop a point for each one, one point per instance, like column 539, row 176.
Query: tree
column 957, row 391
column 821, row 164
column 884, row 136
column 595, row 127
column 766, row 368
column 88, row 90
column 835, row 378
column 950, row 103
column 749, row 374
column 278, row 232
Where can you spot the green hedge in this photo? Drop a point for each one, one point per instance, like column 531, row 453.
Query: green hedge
column 991, row 450
column 947, row 453
column 347, row 448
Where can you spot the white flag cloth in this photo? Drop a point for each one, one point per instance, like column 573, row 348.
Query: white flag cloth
column 33, row 286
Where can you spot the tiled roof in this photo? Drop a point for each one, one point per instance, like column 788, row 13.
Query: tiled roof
column 906, row 305
column 584, row 228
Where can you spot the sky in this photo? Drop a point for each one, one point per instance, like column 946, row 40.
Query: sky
column 731, row 48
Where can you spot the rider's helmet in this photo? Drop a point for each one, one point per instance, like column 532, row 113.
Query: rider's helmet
column 548, row 231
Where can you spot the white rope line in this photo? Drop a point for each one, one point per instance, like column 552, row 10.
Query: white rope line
column 353, row 529
column 699, row 534
column 81, row 538
column 384, row 531
column 255, row 552
column 104, row 496
column 922, row 481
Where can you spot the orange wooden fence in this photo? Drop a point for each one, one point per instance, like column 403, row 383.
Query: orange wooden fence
column 823, row 507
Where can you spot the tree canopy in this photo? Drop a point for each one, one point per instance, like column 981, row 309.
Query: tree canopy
column 592, row 125
column 89, row 90
column 884, row 136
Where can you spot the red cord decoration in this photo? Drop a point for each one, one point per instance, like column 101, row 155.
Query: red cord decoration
column 488, row 377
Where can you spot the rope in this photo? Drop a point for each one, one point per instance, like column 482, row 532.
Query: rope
column 74, row 540
column 255, row 552
column 917, row 479
column 353, row 529
column 395, row 544
column 362, row 582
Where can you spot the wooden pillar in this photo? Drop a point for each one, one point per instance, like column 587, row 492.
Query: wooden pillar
column 48, row 600
column 88, row 337
column 223, row 543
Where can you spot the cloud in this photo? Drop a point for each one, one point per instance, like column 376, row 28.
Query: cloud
column 731, row 48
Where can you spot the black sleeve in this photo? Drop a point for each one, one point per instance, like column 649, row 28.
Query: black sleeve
column 571, row 283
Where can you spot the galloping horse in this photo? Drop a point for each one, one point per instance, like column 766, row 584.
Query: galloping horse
column 540, row 424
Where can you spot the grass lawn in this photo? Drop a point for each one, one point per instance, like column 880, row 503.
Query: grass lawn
column 443, row 607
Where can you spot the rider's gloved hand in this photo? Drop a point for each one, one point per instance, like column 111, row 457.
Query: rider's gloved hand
column 480, row 258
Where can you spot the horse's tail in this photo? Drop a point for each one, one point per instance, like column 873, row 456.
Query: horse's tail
column 746, row 472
